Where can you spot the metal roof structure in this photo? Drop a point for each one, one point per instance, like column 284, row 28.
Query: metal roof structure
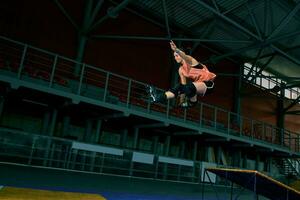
column 264, row 33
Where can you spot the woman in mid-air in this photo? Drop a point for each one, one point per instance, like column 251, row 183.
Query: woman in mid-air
column 190, row 69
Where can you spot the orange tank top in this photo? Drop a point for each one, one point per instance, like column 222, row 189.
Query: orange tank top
column 195, row 74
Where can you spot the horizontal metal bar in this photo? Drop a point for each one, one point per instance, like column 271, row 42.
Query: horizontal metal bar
column 127, row 37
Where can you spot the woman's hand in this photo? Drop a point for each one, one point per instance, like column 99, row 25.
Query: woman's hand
column 173, row 46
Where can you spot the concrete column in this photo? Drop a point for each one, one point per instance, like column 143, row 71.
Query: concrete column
column 239, row 159
column 219, row 155
column 195, row 150
column 136, row 136
column 124, row 137
column 155, row 144
column 98, row 131
column 280, row 114
column 66, row 124
column 88, row 131
column 46, row 121
column 2, row 100
column 167, row 146
column 237, row 96
column 182, row 149
column 53, row 122
column 257, row 161
column 245, row 158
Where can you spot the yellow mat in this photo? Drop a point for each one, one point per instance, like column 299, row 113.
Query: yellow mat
column 11, row 193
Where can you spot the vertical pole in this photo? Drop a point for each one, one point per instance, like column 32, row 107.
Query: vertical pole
column 237, row 97
column 22, row 61
column 124, row 138
column 81, row 78
column 2, row 100
column 88, row 130
column 98, row 131
column 128, row 92
column 254, row 187
column 136, row 135
column 106, row 86
column 167, row 145
column 82, row 35
column 66, row 124
column 231, row 191
column 281, row 114
column 53, row 71
column 182, row 148
column 195, row 150
column 257, row 162
column 53, row 122
column 46, row 121
column 155, row 144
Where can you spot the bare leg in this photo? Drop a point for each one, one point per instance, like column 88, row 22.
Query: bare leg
column 169, row 95
column 201, row 88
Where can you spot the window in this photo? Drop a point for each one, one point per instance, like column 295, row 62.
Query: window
column 268, row 81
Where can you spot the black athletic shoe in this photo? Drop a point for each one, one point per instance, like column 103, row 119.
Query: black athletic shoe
column 152, row 93
column 188, row 104
column 155, row 97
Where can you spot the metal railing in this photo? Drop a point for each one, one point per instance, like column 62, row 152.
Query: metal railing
column 21, row 63
column 44, row 151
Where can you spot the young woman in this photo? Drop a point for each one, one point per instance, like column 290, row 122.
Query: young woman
column 190, row 69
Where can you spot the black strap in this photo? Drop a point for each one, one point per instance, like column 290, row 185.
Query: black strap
column 198, row 66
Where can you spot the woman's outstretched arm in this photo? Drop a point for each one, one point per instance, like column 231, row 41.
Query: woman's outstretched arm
column 189, row 59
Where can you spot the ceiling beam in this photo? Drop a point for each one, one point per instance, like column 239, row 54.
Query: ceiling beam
column 285, row 21
column 248, row 32
column 216, row 5
column 111, row 12
column 62, row 9
column 166, row 18
column 254, row 21
column 227, row 19
column 256, row 45
column 95, row 12
column 128, row 37
column 253, row 65
column 261, row 68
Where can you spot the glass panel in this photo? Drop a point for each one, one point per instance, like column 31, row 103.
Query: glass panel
column 265, row 83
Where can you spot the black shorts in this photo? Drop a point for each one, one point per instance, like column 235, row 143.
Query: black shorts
column 210, row 86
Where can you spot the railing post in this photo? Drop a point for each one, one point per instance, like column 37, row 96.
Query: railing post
column 228, row 123
column 297, row 142
column 290, row 142
column 241, row 125
column 252, row 136
column 128, row 92
column 201, row 113
column 53, row 71
column 32, row 150
column 215, row 117
column 168, row 108
column 81, row 78
column 106, row 86
column 263, row 131
column 184, row 115
column 22, row 61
